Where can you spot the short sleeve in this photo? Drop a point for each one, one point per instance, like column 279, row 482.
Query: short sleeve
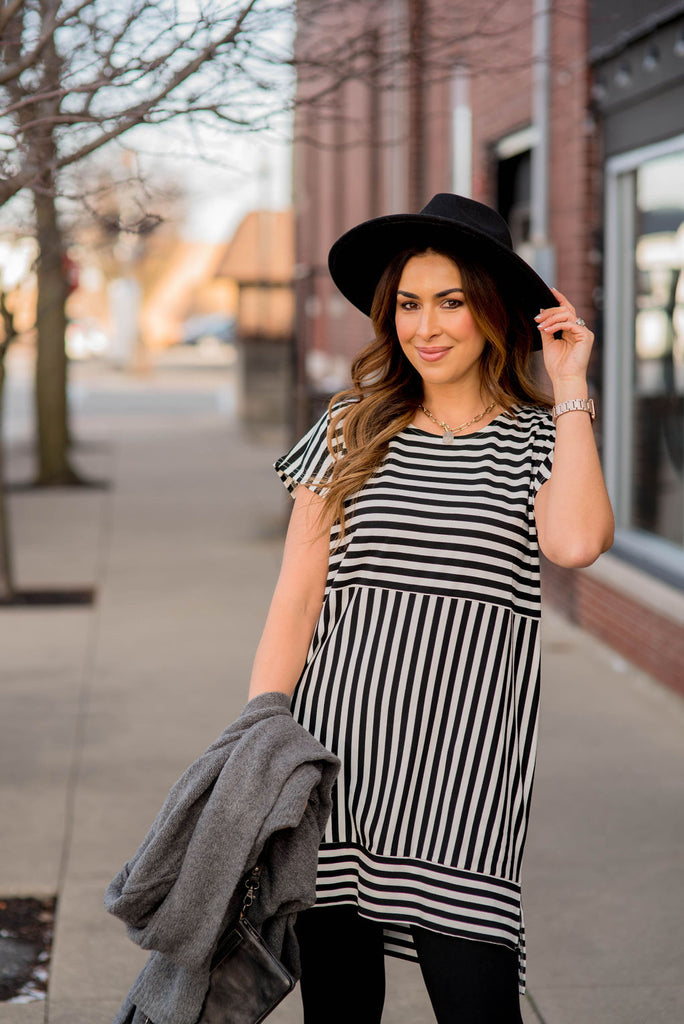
column 309, row 462
column 542, row 451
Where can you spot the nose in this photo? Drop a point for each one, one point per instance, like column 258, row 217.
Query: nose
column 428, row 326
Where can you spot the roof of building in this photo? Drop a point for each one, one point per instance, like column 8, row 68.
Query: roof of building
column 261, row 250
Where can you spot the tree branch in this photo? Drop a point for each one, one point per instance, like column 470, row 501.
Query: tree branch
column 13, row 71
column 8, row 13
column 127, row 119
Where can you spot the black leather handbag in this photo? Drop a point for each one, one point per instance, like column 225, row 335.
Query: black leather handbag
column 247, row 979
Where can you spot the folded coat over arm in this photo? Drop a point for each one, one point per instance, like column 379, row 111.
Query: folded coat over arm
column 265, row 780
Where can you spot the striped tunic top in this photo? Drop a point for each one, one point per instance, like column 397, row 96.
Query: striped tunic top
column 423, row 677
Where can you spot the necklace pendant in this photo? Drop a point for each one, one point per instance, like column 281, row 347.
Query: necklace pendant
column 448, row 437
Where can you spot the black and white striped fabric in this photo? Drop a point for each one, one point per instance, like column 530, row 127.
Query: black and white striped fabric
column 423, row 677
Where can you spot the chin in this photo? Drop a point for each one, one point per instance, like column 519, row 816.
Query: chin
column 438, row 376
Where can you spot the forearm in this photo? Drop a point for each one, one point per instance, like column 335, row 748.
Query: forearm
column 283, row 647
column 297, row 600
column 576, row 521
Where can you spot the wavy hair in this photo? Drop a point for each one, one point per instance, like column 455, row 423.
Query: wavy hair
column 386, row 389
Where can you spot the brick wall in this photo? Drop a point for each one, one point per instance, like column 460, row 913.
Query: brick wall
column 650, row 640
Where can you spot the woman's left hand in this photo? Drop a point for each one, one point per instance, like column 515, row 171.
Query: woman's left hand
column 566, row 357
column 572, row 510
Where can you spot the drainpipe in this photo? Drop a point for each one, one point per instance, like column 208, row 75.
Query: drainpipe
column 542, row 251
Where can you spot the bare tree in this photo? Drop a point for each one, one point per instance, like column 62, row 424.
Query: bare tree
column 84, row 72
column 76, row 75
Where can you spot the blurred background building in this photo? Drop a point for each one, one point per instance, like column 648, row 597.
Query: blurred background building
column 260, row 262
column 569, row 118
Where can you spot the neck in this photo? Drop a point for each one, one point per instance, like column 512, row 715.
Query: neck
column 457, row 402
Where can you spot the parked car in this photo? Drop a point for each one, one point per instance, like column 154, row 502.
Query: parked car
column 216, row 326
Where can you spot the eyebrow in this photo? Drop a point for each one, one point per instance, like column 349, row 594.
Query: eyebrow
column 437, row 295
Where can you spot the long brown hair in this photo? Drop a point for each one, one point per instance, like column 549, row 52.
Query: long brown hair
column 386, row 389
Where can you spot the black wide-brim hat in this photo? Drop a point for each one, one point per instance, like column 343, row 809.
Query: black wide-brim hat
column 461, row 227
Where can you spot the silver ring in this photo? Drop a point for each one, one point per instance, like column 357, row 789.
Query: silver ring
column 580, row 322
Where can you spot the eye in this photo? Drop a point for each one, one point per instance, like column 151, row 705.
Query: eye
column 407, row 304
column 453, row 303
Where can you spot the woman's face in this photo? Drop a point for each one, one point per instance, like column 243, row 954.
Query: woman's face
column 435, row 327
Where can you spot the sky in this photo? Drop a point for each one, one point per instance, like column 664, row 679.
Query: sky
column 237, row 172
column 256, row 173
column 233, row 174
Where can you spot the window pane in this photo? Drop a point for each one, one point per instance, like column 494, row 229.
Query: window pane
column 658, row 410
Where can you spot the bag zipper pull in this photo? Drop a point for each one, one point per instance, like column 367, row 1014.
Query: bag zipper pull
column 252, row 884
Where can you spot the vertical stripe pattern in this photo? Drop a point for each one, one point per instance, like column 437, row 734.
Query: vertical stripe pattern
column 423, row 677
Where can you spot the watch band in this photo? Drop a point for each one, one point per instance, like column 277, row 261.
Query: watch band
column 574, row 405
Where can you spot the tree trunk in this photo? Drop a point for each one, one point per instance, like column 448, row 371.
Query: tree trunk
column 7, row 587
column 54, row 468
column 51, row 364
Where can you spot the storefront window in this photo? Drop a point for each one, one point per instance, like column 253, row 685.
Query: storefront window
column 657, row 429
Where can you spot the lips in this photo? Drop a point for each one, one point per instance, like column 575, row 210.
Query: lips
column 431, row 355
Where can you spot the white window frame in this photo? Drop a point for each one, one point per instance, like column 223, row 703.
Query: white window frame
column 648, row 550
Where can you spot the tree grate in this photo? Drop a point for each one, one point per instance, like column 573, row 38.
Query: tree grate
column 49, row 597
column 26, row 929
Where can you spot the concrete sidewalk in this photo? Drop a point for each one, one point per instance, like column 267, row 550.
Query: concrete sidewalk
column 103, row 707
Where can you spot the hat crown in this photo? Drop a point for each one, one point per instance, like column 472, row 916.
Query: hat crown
column 468, row 213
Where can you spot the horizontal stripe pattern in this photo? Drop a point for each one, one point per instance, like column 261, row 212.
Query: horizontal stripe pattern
column 446, row 519
column 459, row 903
column 423, row 677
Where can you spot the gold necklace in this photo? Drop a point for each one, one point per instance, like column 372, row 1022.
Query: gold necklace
column 449, row 432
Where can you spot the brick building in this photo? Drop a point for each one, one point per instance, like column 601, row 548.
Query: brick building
column 567, row 118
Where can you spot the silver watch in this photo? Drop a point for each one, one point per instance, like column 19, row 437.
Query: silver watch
column 574, row 405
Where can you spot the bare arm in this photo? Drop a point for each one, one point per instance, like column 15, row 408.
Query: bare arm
column 572, row 510
column 296, row 602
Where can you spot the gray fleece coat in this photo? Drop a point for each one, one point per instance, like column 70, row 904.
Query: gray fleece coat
column 265, row 779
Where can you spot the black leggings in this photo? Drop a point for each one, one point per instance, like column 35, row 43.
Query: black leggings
column 343, row 972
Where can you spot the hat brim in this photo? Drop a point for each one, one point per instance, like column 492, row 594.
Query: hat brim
column 358, row 259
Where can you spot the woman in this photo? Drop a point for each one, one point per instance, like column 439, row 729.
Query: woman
column 405, row 621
